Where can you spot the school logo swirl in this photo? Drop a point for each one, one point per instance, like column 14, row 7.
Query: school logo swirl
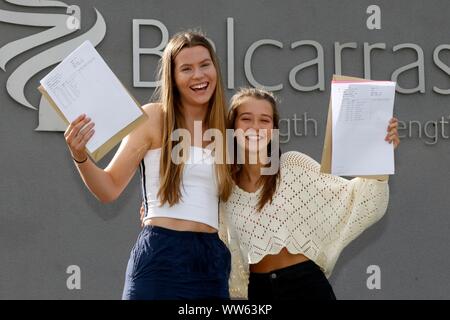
column 59, row 25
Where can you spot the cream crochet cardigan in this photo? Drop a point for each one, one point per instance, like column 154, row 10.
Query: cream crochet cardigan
column 312, row 213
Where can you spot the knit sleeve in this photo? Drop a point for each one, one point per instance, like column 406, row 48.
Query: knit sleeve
column 349, row 206
column 238, row 281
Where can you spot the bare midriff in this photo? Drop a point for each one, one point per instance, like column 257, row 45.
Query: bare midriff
column 179, row 224
column 277, row 261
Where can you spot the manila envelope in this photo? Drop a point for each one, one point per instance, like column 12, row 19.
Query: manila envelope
column 100, row 152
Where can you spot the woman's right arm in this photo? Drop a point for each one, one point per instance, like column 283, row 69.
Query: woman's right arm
column 107, row 184
column 238, row 281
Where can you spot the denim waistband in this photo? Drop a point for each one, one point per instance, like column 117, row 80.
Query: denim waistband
column 179, row 234
column 306, row 266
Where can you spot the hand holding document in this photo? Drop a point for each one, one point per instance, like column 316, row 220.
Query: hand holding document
column 360, row 113
column 83, row 83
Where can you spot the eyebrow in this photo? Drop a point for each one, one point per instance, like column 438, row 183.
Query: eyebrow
column 190, row 64
column 249, row 113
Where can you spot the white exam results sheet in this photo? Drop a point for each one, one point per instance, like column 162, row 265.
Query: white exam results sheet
column 83, row 83
column 361, row 112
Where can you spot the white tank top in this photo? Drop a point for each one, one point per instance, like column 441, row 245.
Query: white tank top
column 199, row 197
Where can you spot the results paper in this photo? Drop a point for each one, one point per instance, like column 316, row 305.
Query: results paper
column 361, row 112
column 83, row 83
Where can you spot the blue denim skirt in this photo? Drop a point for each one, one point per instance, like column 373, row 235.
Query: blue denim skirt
column 167, row 264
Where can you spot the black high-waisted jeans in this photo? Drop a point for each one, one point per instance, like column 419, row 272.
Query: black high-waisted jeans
column 303, row 281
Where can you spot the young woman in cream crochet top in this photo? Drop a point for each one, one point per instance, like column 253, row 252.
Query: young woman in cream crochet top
column 286, row 230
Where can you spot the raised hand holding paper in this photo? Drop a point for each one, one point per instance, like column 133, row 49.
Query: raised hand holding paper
column 83, row 83
column 360, row 113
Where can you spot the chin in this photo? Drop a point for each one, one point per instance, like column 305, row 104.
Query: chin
column 201, row 102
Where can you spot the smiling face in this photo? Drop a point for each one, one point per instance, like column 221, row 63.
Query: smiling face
column 254, row 118
column 195, row 76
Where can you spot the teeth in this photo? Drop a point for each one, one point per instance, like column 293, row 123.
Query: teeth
column 200, row 86
column 254, row 137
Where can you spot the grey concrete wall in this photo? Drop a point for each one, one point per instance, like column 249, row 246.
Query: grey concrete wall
column 49, row 220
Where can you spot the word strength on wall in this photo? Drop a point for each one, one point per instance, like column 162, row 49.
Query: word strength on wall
column 417, row 67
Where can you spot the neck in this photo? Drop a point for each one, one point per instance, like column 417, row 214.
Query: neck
column 252, row 172
column 193, row 113
column 194, row 117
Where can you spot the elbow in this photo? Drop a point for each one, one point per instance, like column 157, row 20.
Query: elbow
column 381, row 209
column 106, row 192
column 105, row 199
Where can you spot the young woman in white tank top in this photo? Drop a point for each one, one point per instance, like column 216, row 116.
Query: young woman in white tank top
column 178, row 254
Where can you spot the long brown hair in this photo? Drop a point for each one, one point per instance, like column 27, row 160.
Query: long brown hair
column 269, row 182
column 168, row 95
